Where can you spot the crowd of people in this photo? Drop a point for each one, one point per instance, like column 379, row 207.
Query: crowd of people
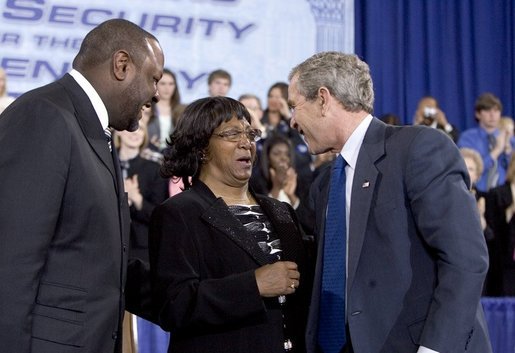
column 305, row 226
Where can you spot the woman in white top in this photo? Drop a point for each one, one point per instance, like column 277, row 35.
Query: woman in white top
column 166, row 112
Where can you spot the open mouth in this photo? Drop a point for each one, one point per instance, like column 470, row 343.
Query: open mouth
column 245, row 161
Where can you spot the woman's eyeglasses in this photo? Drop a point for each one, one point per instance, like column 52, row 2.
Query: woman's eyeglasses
column 252, row 135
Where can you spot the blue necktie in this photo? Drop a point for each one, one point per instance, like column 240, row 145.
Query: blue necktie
column 331, row 324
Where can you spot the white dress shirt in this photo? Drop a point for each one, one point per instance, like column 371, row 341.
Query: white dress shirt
column 93, row 96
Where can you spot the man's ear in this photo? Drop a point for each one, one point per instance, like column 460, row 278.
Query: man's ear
column 121, row 61
column 324, row 96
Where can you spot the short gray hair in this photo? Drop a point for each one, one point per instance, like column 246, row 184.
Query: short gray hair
column 345, row 76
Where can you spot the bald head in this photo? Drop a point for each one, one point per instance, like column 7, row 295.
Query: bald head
column 110, row 36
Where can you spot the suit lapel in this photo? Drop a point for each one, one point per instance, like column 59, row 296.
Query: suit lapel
column 363, row 186
column 217, row 214
column 90, row 124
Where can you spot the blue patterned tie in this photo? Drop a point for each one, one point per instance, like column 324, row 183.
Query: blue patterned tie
column 331, row 324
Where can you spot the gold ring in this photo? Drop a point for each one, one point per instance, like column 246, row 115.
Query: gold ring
column 292, row 285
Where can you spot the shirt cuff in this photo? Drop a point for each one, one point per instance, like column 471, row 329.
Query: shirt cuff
column 423, row 349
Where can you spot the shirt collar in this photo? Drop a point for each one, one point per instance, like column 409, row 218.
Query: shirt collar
column 93, row 96
column 351, row 148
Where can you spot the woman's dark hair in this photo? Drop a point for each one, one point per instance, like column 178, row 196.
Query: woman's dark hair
column 190, row 139
column 175, row 99
column 273, row 140
column 283, row 87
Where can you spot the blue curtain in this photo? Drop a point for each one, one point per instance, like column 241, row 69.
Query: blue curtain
column 452, row 50
column 500, row 317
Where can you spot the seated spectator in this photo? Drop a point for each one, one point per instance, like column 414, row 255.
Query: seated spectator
column 219, row 83
column 5, row 100
column 492, row 143
column 429, row 113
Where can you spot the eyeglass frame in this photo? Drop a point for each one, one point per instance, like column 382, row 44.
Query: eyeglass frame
column 240, row 133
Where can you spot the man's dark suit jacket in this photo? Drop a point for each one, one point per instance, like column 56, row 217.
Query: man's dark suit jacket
column 417, row 256
column 64, row 229
column 203, row 271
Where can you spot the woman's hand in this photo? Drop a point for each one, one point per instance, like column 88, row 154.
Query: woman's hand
column 131, row 186
column 277, row 279
column 290, row 185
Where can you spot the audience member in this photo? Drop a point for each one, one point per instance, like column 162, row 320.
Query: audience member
column 474, row 165
column 399, row 237
column 428, row 113
column 491, row 142
column 64, row 219
column 276, row 119
column 278, row 173
column 145, row 189
column 391, row 119
column 219, row 83
column 253, row 105
column 143, row 184
column 226, row 263
column 166, row 112
column 5, row 100
column 500, row 209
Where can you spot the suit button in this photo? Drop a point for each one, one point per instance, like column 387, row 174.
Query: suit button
column 114, row 335
column 124, row 248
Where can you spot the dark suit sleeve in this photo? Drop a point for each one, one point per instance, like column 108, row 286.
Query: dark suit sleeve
column 33, row 171
column 184, row 298
column 447, row 219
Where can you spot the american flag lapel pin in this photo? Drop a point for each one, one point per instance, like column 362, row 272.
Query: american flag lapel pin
column 366, row 184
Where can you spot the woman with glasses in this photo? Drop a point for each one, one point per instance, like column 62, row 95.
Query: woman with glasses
column 228, row 266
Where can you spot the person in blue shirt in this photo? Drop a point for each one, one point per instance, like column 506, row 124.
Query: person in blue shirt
column 493, row 143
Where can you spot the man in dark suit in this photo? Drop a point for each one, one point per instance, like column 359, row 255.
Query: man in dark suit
column 64, row 219
column 415, row 253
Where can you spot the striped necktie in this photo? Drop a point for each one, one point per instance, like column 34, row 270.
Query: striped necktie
column 109, row 138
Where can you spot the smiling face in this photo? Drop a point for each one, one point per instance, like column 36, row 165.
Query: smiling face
column 228, row 162
column 307, row 120
column 132, row 139
column 279, row 157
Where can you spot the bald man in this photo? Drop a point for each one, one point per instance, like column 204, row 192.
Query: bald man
column 64, row 220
